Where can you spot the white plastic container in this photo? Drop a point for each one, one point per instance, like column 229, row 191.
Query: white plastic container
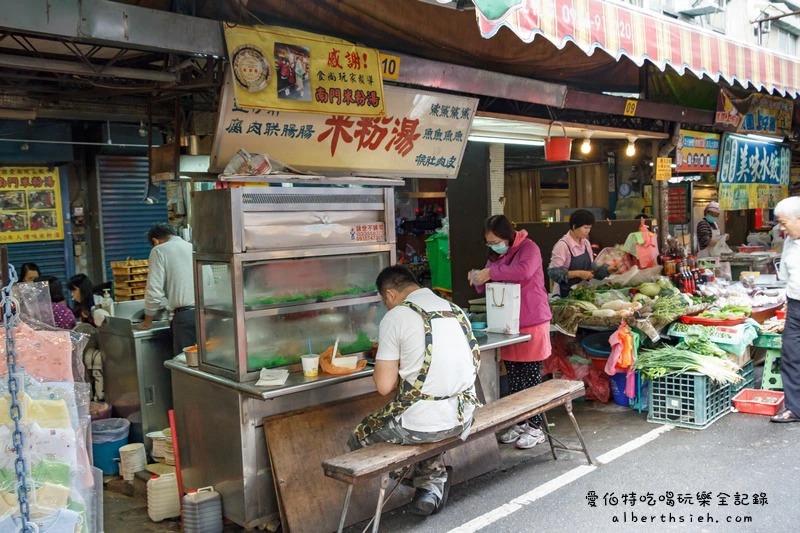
column 163, row 500
column 202, row 511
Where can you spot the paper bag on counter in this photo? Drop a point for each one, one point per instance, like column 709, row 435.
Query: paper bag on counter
column 502, row 307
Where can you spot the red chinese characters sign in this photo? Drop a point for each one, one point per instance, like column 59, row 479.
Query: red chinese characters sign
column 30, row 205
column 422, row 135
column 281, row 69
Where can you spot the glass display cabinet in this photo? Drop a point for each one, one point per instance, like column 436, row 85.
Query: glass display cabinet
column 286, row 271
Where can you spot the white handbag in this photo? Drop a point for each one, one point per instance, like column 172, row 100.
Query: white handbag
column 502, row 307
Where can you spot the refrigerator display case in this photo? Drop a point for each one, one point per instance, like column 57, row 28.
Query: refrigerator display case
column 287, row 271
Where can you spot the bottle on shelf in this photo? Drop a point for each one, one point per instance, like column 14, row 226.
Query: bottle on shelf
column 107, row 303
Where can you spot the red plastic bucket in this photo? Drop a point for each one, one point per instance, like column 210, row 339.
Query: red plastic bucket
column 557, row 148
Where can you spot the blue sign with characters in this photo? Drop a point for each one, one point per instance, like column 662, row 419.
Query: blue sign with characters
column 748, row 160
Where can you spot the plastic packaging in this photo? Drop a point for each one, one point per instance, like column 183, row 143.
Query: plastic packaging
column 107, row 303
column 162, row 497
column 202, row 511
column 109, row 430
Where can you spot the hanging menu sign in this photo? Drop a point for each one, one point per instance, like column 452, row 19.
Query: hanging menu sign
column 422, row 135
column 30, row 205
column 293, row 70
column 678, row 203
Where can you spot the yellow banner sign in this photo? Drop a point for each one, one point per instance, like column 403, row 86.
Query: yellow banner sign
column 290, row 70
column 30, row 205
column 663, row 168
column 735, row 196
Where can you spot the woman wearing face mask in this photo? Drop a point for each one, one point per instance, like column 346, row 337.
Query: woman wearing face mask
column 514, row 258
column 572, row 260
column 708, row 230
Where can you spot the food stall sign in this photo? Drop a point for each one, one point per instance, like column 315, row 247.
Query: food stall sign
column 758, row 113
column 753, row 174
column 423, row 135
column 663, row 168
column 678, row 203
column 291, row 70
column 697, row 152
column 30, row 204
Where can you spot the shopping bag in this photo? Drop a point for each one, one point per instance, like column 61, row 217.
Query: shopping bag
column 502, row 307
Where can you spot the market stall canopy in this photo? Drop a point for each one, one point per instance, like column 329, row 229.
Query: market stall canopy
column 428, row 31
column 625, row 31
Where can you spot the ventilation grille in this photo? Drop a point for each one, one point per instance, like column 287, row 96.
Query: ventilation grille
column 306, row 199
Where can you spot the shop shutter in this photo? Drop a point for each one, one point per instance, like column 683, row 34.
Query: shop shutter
column 48, row 255
column 125, row 218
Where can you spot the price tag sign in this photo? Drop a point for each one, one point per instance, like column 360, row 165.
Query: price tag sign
column 663, row 168
column 630, row 108
column 390, row 66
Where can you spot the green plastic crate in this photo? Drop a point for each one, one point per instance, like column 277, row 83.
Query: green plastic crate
column 438, row 248
column 690, row 400
column 768, row 340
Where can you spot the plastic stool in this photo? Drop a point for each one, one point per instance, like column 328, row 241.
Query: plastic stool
column 771, row 379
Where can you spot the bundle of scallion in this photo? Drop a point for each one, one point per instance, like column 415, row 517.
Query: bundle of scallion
column 668, row 359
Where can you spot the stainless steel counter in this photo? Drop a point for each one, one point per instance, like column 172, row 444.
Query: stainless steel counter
column 220, row 429
column 296, row 382
column 133, row 371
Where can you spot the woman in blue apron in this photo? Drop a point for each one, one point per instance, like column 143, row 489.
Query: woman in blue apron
column 572, row 260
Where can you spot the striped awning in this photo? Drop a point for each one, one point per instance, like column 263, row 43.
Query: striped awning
column 622, row 30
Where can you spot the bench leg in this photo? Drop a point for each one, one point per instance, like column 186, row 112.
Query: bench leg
column 546, row 430
column 377, row 522
column 568, row 407
column 344, row 509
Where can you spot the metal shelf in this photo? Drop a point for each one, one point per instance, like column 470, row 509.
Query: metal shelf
column 273, row 311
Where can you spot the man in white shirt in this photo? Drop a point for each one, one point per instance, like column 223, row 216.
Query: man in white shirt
column 170, row 277
column 788, row 214
column 428, row 356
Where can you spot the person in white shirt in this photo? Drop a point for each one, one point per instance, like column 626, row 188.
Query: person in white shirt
column 428, row 356
column 170, row 278
column 788, row 214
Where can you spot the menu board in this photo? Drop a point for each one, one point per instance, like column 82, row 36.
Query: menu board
column 678, row 203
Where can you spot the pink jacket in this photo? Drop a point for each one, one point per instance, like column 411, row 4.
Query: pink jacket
column 523, row 264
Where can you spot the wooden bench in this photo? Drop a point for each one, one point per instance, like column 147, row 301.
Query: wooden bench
column 382, row 458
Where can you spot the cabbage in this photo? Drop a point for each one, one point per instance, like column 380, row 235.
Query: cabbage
column 649, row 289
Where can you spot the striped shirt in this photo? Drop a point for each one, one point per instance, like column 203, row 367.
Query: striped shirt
column 704, row 233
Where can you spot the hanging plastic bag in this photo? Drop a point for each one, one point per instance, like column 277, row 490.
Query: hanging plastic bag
column 721, row 247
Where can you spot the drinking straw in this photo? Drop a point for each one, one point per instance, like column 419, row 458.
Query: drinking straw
column 309, row 346
column 335, row 347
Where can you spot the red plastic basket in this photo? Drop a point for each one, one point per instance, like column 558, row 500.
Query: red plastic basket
column 753, row 401
column 688, row 319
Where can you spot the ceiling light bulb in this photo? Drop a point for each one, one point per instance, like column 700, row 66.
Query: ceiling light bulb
column 630, row 151
column 586, row 146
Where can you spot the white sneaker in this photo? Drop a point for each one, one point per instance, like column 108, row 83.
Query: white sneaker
column 530, row 438
column 513, row 433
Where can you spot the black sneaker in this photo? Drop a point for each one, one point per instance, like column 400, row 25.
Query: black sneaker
column 425, row 503
column 445, row 490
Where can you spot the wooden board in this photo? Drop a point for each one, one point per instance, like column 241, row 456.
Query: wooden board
column 298, row 442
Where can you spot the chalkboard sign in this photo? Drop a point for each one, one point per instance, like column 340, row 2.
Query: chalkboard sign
column 678, row 203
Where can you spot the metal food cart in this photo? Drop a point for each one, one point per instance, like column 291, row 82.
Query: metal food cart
column 280, row 271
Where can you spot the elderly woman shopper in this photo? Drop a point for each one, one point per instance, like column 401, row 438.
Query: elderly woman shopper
column 572, row 260
column 788, row 214
column 515, row 258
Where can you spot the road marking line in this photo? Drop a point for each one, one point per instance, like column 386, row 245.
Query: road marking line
column 553, row 485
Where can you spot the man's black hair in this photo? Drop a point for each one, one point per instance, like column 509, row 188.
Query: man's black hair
column 395, row 277
column 160, row 232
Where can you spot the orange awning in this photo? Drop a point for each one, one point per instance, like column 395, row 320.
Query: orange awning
column 642, row 36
